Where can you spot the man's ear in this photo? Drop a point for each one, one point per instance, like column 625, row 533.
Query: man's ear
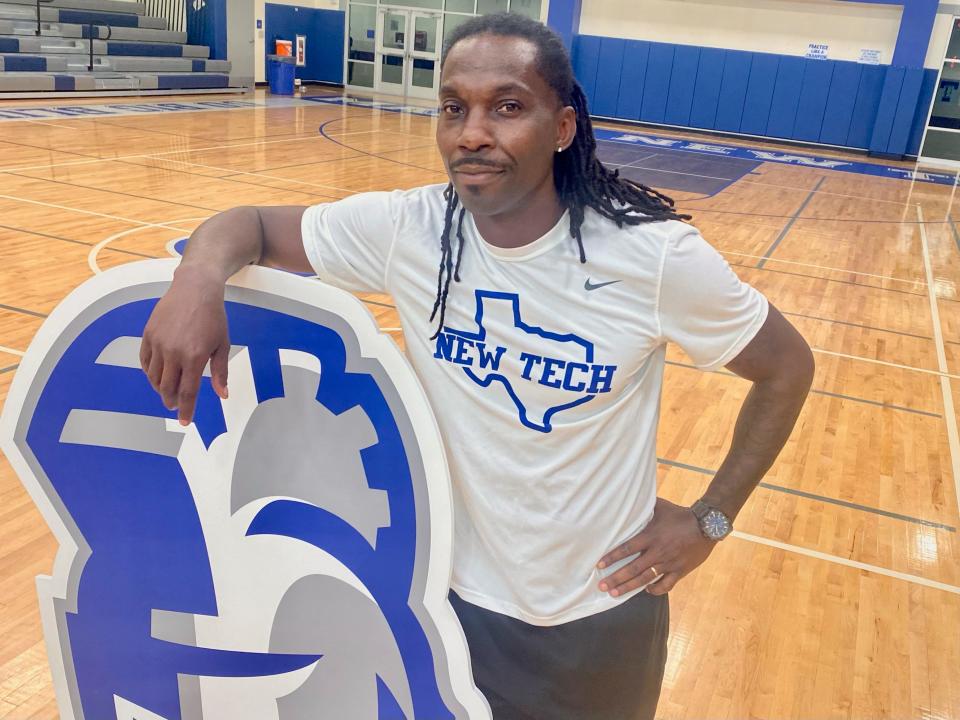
column 566, row 127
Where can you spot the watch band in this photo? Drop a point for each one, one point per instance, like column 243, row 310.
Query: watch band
column 700, row 509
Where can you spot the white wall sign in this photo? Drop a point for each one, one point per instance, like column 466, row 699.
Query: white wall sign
column 817, row 51
column 869, row 57
column 301, row 50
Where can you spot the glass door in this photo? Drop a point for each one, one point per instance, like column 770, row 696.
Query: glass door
column 408, row 53
column 391, row 51
column 424, row 79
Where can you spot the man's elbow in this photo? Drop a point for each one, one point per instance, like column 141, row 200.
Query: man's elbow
column 799, row 369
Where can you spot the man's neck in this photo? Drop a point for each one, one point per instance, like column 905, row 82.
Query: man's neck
column 531, row 220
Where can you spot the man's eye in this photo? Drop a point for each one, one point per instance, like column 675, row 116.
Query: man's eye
column 451, row 109
column 509, row 107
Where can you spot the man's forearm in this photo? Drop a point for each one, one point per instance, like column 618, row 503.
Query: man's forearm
column 766, row 419
column 224, row 244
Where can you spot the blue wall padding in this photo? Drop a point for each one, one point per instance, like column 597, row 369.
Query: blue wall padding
column 786, row 97
column 733, row 90
column 905, row 111
column 812, row 104
column 9, row 45
column 865, row 108
column 324, row 30
column 608, row 82
column 653, row 107
column 840, row 101
column 586, row 58
column 207, row 25
column 889, row 100
column 632, row 78
column 756, row 106
column 923, row 110
column 706, row 91
column 683, row 78
column 875, row 107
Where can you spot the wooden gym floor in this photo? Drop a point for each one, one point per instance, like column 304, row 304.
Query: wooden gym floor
column 839, row 596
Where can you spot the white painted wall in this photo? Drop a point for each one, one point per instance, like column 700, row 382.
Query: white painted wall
column 260, row 51
column 775, row 26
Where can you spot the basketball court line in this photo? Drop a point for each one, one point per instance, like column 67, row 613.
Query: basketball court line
column 819, row 498
column 826, row 267
column 112, row 192
column 95, row 250
column 22, row 311
column 911, row 368
column 847, row 562
column 835, row 559
column 266, row 177
column 856, row 325
column 226, row 178
column 320, row 162
column 93, row 213
column 11, row 368
column 69, row 240
column 102, row 121
column 953, row 437
column 11, row 351
column 953, row 227
column 94, row 160
column 832, row 280
column 840, row 396
column 786, row 228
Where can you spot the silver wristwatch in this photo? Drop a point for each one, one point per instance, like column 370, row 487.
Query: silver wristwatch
column 714, row 524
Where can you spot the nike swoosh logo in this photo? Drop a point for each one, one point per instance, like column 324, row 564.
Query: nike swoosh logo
column 588, row 286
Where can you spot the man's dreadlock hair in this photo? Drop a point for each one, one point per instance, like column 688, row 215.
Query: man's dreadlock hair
column 582, row 181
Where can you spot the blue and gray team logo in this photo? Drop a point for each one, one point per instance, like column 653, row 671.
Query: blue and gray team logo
column 287, row 556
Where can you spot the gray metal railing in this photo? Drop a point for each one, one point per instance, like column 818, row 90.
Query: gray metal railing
column 90, row 33
column 39, row 28
column 173, row 11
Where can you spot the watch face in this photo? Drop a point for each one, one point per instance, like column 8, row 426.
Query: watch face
column 715, row 525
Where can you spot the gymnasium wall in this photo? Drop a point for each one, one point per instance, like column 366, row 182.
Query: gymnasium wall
column 722, row 68
column 261, row 39
column 771, row 26
column 323, row 24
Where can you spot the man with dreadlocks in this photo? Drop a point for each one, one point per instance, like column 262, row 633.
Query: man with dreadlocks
column 544, row 368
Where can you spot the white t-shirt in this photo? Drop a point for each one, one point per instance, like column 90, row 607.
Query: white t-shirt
column 546, row 380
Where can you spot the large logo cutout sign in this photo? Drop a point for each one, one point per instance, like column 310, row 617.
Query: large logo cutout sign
column 286, row 556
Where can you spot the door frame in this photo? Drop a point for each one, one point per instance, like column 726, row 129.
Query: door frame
column 409, row 54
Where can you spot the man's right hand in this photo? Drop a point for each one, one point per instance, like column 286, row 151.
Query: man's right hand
column 188, row 328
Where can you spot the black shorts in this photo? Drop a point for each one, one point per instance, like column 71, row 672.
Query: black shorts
column 607, row 666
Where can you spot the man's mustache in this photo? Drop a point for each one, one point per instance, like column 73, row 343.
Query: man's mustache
column 475, row 162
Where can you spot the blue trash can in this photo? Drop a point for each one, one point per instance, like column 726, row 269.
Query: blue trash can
column 280, row 74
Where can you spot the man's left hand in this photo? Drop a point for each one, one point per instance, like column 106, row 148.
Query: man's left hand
column 670, row 546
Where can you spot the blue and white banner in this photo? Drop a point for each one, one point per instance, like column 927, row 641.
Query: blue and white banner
column 287, row 555
column 62, row 112
column 774, row 156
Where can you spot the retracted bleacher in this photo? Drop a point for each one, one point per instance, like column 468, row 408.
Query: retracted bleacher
column 131, row 51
